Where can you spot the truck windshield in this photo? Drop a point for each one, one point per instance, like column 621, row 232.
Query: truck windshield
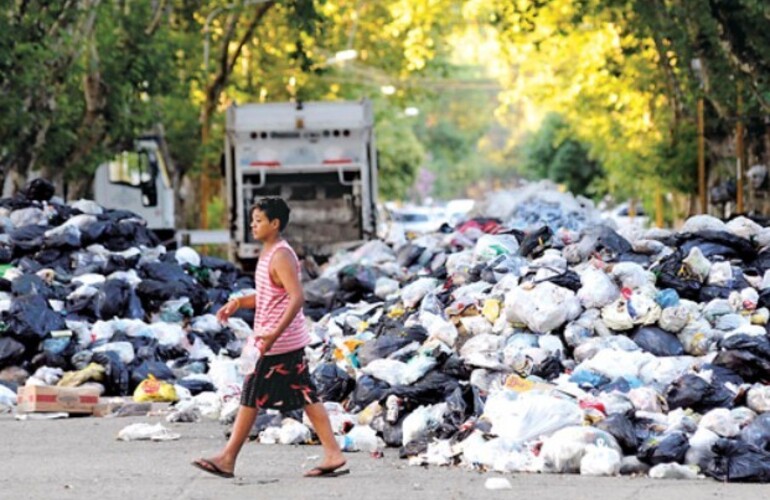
column 130, row 167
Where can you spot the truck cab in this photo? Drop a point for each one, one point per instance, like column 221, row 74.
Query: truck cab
column 318, row 156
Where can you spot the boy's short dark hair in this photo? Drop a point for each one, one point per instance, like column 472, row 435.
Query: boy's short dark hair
column 273, row 208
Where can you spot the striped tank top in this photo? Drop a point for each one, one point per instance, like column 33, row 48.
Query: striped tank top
column 272, row 301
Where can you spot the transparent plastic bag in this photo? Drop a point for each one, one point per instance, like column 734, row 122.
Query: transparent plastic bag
column 250, row 354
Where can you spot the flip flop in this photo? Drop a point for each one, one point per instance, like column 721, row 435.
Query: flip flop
column 326, row 472
column 208, row 466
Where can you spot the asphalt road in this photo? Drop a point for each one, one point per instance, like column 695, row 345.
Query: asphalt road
column 80, row 458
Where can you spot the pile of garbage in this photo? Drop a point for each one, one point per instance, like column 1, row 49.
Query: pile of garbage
column 572, row 349
column 509, row 343
column 90, row 295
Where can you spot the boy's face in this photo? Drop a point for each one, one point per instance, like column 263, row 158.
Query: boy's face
column 261, row 226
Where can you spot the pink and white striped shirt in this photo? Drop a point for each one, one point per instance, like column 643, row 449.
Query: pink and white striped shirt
column 271, row 303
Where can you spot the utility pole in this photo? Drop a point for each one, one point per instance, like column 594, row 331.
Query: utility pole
column 739, row 152
column 701, row 159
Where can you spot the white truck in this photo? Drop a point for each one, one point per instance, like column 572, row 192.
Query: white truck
column 138, row 180
column 318, row 156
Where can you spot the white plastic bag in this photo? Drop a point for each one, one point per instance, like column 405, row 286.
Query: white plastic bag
column 598, row 290
column 421, row 420
column 721, row 422
column 490, row 246
column 413, row 293
column 673, row 470
column 293, row 432
column 697, row 264
column 600, row 461
column 483, row 351
column 565, row 449
column 758, row 398
column 698, row 223
column 532, row 416
column 145, row 432
column 247, row 362
column 385, row 287
column 544, row 308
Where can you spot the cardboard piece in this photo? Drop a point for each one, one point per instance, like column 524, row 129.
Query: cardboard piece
column 45, row 398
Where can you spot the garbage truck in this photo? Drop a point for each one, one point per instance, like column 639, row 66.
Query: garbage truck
column 318, row 156
column 138, row 180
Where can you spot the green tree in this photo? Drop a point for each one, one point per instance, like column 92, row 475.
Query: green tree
column 552, row 153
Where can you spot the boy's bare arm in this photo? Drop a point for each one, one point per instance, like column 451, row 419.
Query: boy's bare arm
column 284, row 272
column 247, row 301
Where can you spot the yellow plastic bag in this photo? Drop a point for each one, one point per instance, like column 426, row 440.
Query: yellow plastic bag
column 152, row 390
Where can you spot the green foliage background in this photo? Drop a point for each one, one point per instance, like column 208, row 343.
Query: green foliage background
column 598, row 95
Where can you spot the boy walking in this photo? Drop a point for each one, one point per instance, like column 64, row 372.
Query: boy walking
column 281, row 378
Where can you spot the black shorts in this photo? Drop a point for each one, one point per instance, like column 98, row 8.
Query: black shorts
column 280, row 382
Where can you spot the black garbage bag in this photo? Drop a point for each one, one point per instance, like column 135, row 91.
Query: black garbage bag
column 736, row 461
column 196, row 386
column 568, row 279
column 31, row 284
column 157, row 368
column 669, row 276
column 657, row 341
column 113, row 299
column 154, row 293
column 127, row 234
column 454, row 366
column 27, row 239
column 54, row 258
column 321, row 291
column 757, row 433
column 606, row 241
column 356, row 278
column 169, row 352
column 433, row 388
column 536, row 242
column 408, row 254
column 622, row 429
column 38, row 189
column 117, row 380
column 751, row 343
column 393, row 434
column 381, row 347
column 722, row 375
column 710, row 292
column 692, row 391
column 664, row 449
column 167, row 273
column 761, row 262
column 120, row 262
column 718, row 244
column 31, row 318
column 395, row 328
column 95, row 232
column 332, row 382
column 749, row 366
column 63, row 240
column 11, row 352
column 368, row 389
column 455, row 415
column 548, row 369
column 223, row 273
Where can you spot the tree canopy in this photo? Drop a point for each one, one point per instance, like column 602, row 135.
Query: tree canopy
column 597, row 94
